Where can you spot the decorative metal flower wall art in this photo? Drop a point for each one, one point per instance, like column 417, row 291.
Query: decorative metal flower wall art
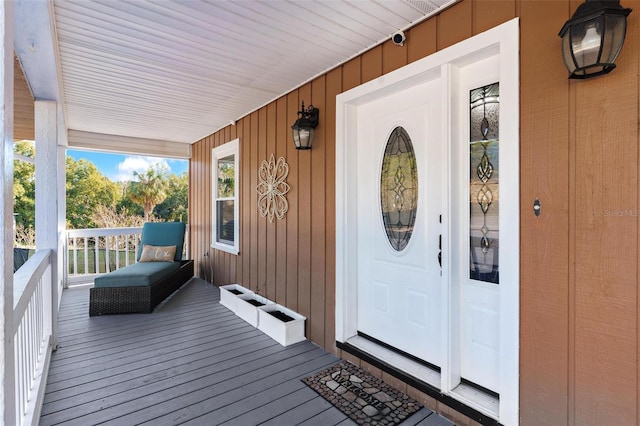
column 273, row 188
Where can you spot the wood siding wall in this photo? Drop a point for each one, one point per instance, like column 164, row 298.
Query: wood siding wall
column 579, row 259
column 24, row 106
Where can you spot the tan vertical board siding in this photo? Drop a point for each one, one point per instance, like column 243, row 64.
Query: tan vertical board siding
column 253, row 226
column 238, row 129
column 262, row 221
column 454, row 24
column 333, row 88
column 292, row 216
column 544, row 156
column 318, row 192
column 351, row 74
column 283, row 139
column 489, row 13
column 607, row 242
column 271, row 227
column 245, row 206
column 371, row 66
column 394, row 56
column 205, row 186
column 215, row 256
column 421, row 40
column 304, row 222
column 23, row 108
column 213, row 264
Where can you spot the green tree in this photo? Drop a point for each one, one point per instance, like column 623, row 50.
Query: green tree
column 24, row 186
column 175, row 206
column 150, row 189
column 87, row 189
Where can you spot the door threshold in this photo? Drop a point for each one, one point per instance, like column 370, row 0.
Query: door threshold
column 465, row 399
column 478, row 399
column 405, row 364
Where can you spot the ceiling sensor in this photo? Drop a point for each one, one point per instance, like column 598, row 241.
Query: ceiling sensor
column 398, row 38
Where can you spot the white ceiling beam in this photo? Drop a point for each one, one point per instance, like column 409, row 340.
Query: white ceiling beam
column 128, row 145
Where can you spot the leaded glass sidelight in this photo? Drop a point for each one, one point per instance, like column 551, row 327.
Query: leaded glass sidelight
column 399, row 188
column 484, row 183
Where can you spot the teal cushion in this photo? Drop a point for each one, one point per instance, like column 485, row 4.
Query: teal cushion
column 163, row 234
column 137, row 275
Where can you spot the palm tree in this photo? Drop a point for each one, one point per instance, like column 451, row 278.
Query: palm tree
column 150, row 189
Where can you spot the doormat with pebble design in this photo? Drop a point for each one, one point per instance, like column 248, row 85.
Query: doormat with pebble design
column 364, row 398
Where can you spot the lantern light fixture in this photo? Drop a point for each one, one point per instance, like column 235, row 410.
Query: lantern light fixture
column 593, row 37
column 303, row 130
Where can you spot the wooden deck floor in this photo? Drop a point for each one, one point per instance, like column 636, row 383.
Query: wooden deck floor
column 192, row 361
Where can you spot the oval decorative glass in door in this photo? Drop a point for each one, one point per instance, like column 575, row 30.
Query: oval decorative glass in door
column 399, row 189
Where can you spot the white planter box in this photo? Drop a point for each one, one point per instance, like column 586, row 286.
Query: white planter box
column 230, row 299
column 285, row 333
column 248, row 311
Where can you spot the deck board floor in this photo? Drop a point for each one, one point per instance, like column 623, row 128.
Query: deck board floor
column 190, row 362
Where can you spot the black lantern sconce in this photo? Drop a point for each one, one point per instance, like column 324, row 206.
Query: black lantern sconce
column 593, row 37
column 303, row 130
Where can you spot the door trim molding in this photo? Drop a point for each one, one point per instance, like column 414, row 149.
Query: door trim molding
column 503, row 42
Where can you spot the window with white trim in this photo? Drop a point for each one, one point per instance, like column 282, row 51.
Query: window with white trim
column 225, row 188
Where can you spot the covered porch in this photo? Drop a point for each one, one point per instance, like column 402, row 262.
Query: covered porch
column 172, row 78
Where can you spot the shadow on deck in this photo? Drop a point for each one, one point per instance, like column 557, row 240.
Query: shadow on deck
column 192, row 361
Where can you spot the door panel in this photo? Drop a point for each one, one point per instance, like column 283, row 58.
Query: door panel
column 478, row 95
column 399, row 290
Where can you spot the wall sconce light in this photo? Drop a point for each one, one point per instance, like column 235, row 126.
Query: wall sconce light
column 593, row 37
column 303, row 130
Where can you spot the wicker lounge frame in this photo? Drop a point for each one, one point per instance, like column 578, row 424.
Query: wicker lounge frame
column 138, row 299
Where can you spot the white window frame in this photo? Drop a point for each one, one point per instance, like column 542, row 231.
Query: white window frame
column 231, row 148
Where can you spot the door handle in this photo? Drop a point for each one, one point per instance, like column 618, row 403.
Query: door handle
column 440, row 250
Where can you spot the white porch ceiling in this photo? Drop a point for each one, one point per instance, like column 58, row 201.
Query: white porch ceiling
column 177, row 71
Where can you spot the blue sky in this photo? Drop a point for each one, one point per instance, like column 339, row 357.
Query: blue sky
column 118, row 167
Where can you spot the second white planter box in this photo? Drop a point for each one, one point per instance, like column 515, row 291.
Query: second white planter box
column 285, row 333
column 247, row 307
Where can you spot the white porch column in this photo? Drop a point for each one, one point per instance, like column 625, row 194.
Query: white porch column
column 47, row 163
column 7, row 359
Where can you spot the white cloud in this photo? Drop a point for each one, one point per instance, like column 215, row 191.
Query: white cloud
column 138, row 164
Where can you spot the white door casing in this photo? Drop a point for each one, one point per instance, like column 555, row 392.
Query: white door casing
column 456, row 69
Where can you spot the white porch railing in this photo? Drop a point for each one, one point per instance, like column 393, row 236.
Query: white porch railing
column 33, row 333
column 89, row 253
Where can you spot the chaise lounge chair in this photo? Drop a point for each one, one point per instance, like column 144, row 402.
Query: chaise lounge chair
column 140, row 287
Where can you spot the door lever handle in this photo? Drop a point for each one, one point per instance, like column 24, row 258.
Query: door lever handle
column 440, row 250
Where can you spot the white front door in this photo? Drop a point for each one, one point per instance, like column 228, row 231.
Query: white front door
column 405, row 180
column 400, row 205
